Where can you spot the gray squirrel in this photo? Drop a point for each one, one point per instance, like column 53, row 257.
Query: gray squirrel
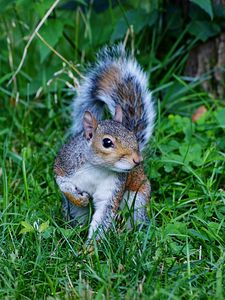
column 102, row 160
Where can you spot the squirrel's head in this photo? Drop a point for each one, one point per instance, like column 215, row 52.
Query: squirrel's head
column 113, row 145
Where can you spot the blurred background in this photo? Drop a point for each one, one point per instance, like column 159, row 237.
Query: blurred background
column 169, row 38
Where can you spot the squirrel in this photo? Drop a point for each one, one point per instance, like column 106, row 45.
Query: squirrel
column 103, row 159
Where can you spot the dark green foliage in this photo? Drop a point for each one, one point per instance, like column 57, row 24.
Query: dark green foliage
column 181, row 255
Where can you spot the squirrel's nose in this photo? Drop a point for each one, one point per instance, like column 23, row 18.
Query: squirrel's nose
column 137, row 160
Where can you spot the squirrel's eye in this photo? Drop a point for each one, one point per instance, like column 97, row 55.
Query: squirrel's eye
column 107, row 143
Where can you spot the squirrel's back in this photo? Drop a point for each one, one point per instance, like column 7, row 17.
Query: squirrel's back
column 116, row 79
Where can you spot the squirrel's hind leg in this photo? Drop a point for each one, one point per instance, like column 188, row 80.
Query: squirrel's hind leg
column 138, row 190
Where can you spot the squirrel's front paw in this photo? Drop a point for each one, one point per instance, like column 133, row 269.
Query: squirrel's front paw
column 77, row 197
column 84, row 198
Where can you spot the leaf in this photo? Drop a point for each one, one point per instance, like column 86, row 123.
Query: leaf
column 66, row 232
column 27, row 227
column 179, row 123
column 101, row 28
column 43, row 226
column 171, row 160
column 153, row 16
column 170, row 146
column 176, row 228
column 51, row 32
column 138, row 18
column 191, row 153
column 168, row 168
column 197, row 234
column 215, row 227
column 48, row 232
column 220, row 116
column 203, row 29
column 42, row 7
column 206, row 5
column 175, row 247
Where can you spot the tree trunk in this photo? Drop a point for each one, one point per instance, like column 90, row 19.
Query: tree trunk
column 209, row 59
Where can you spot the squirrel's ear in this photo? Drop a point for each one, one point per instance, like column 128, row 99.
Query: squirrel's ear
column 90, row 124
column 118, row 114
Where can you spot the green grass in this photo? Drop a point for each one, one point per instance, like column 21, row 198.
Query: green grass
column 181, row 255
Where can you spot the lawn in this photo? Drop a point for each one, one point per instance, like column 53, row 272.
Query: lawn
column 181, row 254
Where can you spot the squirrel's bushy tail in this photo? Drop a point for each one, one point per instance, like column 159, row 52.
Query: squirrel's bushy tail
column 114, row 79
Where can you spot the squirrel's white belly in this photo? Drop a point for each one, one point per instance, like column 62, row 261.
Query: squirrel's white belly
column 95, row 181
